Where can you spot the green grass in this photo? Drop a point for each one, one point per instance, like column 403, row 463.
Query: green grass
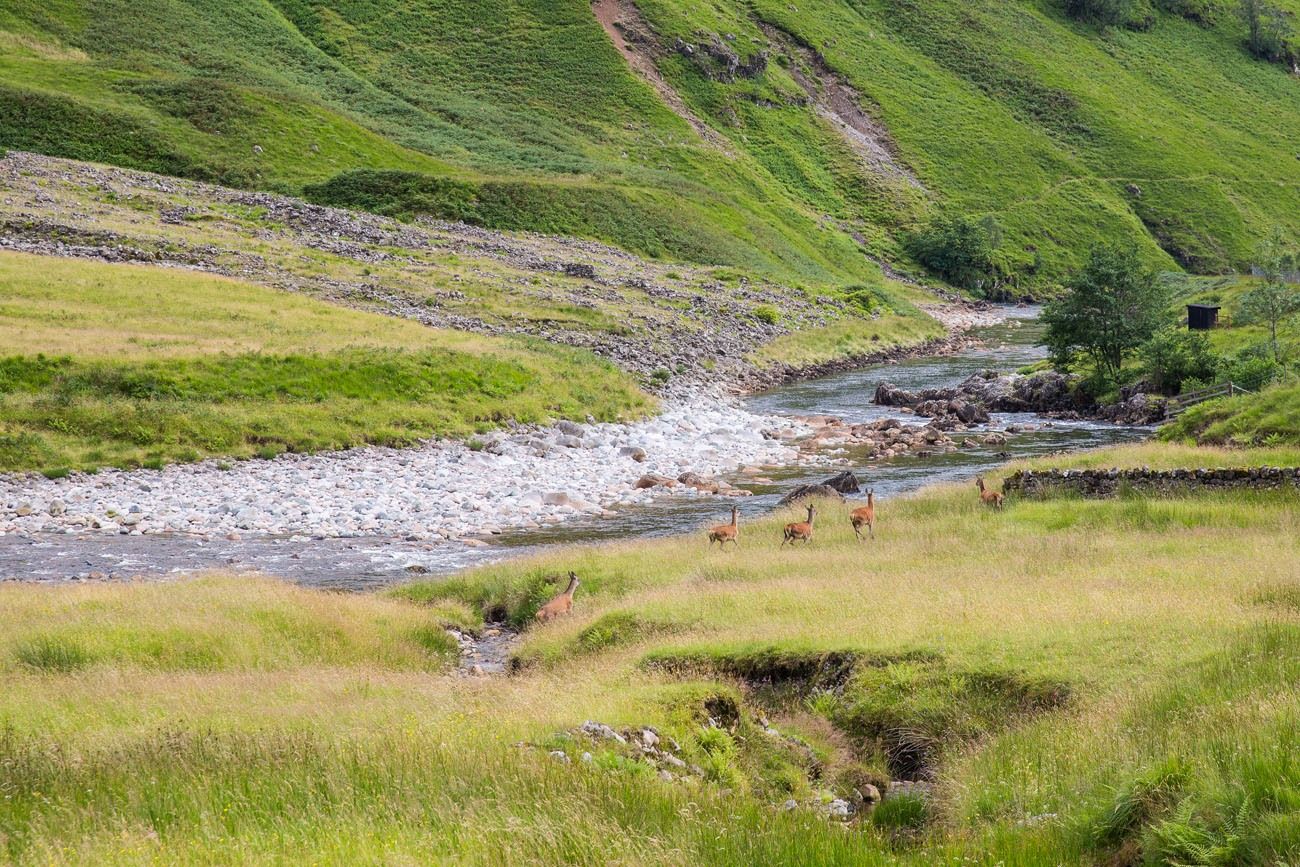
column 1084, row 685
column 128, row 365
column 523, row 115
column 1271, row 418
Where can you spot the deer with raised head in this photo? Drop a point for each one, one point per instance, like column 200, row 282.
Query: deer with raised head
column 561, row 604
column 724, row 533
column 865, row 516
column 800, row 529
column 988, row 497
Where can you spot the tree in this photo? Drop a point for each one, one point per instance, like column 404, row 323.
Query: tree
column 1274, row 302
column 1173, row 356
column 1268, row 30
column 963, row 251
column 1110, row 308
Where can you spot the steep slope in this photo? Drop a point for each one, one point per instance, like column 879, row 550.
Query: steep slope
column 783, row 138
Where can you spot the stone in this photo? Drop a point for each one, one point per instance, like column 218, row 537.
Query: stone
column 560, row 756
column 805, row 491
column 652, row 481
column 790, row 804
column 57, row 508
column 636, row 453
column 844, row 483
column 23, row 510
column 839, row 809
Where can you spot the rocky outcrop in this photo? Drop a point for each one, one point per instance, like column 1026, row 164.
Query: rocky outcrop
column 1047, row 392
column 1136, row 408
column 1110, row 482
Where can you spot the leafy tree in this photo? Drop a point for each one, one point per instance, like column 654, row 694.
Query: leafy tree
column 1110, row 308
column 1174, row 356
column 1274, row 302
column 963, row 251
column 1268, row 30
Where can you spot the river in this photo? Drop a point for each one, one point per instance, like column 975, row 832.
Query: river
column 368, row 562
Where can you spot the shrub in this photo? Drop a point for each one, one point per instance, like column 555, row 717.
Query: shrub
column 1173, row 356
column 1112, row 306
column 767, row 313
column 1268, row 31
column 1107, row 13
column 964, row 251
column 1203, row 12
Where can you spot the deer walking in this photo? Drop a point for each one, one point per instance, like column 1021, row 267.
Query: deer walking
column 988, row 497
column 724, row 533
column 561, row 604
column 800, row 529
column 865, row 516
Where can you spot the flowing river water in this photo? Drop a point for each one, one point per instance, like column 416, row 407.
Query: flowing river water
column 367, row 562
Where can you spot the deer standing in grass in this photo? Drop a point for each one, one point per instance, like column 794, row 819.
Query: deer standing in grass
column 724, row 533
column 800, row 529
column 988, row 497
column 561, row 604
column 865, row 515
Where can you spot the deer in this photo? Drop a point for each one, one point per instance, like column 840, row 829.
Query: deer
column 561, row 604
column 987, row 497
column 865, row 515
column 800, row 529
column 724, row 533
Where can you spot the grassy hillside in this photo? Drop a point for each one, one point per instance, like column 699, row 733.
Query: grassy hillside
column 1270, row 417
column 129, row 365
column 527, row 116
column 1084, row 682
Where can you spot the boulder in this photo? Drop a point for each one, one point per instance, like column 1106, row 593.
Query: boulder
column 845, row 483
column 650, row 480
column 804, row 491
column 636, row 453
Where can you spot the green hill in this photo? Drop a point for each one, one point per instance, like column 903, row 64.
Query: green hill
column 785, row 139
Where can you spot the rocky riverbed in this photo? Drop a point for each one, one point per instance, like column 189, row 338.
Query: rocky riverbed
column 512, row 479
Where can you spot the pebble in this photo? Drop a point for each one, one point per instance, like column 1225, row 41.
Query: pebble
column 438, row 490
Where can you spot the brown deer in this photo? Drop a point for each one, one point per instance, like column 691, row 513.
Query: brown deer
column 800, row 529
column 865, row 515
column 724, row 533
column 987, row 497
column 561, row 604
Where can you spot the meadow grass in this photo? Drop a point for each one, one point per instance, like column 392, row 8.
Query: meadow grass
column 1047, row 664
column 131, row 365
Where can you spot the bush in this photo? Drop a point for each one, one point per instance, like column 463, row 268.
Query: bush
column 1173, row 356
column 1112, row 307
column 964, row 251
column 767, row 313
column 1203, row 12
column 1109, row 13
column 1268, row 31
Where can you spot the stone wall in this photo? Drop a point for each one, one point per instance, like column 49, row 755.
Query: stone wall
column 1107, row 483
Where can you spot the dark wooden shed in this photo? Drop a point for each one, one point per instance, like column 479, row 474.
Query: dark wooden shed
column 1202, row 317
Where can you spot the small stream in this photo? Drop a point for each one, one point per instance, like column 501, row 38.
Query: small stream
column 364, row 563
